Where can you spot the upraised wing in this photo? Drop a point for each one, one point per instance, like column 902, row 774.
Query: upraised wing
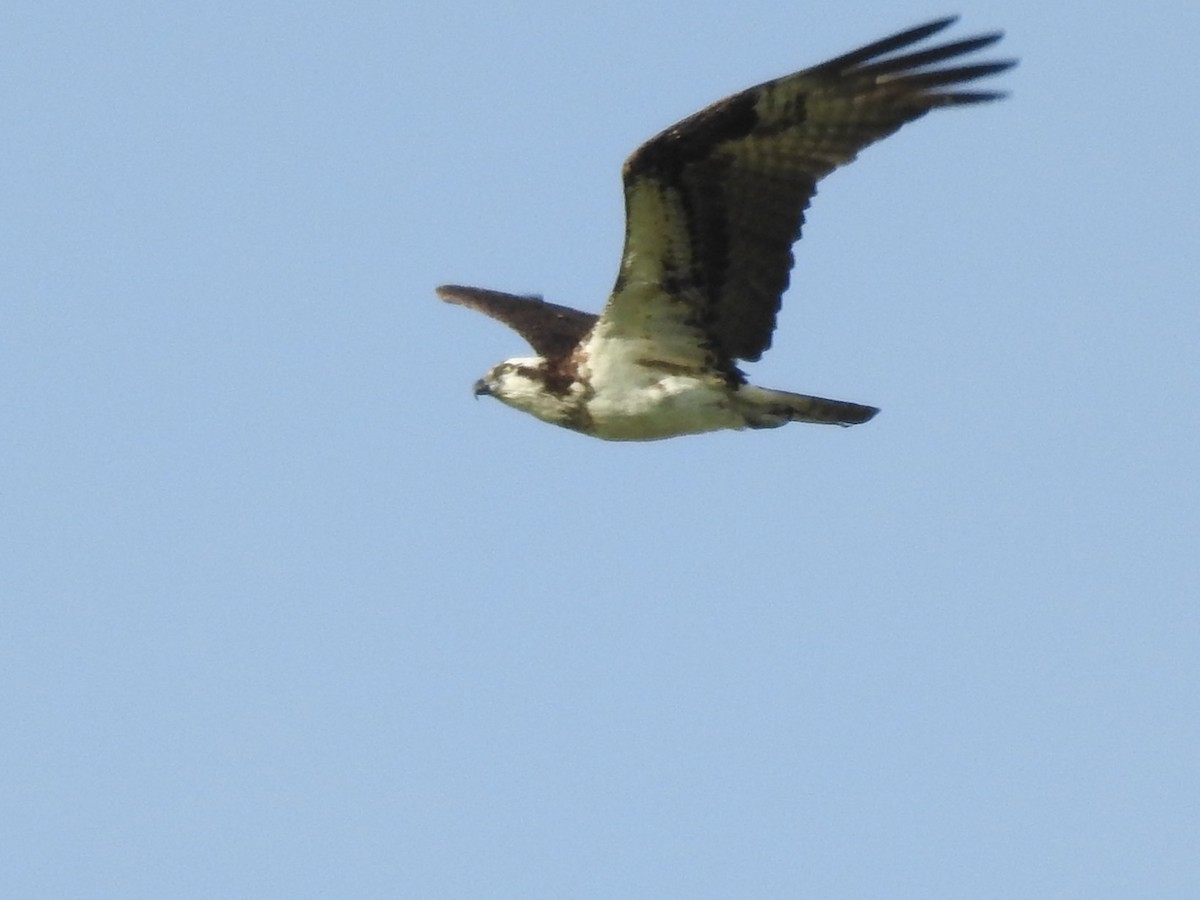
column 715, row 202
column 551, row 330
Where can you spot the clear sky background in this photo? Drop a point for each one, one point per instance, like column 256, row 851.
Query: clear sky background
column 285, row 613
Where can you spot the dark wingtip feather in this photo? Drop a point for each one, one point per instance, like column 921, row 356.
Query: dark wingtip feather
column 885, row 45
column 928, row 57
column 962, row 98
column 916, row 74
column 936, row 78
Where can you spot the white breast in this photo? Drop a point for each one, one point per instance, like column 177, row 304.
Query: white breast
column 644, row 399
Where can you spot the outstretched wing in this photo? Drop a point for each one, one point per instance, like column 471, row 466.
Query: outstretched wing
column 714, row 203
column 553, row 331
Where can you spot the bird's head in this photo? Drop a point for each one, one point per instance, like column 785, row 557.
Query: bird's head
column 523, row 384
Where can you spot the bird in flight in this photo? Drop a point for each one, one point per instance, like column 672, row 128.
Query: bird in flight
column 712, row 208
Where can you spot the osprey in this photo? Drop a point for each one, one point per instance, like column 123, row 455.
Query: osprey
column 712, row 208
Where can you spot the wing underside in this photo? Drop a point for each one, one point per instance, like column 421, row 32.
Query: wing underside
column 714, row 203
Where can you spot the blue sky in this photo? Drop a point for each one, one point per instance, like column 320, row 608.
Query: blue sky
column 285, row 613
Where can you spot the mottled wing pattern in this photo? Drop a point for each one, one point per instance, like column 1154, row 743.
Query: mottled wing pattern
column 714, row 203
column 552, row 331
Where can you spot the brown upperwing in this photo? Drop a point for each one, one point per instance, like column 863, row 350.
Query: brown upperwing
column 553, row 331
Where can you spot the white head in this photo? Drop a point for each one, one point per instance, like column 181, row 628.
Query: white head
column 524, row 383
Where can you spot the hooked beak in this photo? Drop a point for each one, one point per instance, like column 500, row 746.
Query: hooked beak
column 481, row 388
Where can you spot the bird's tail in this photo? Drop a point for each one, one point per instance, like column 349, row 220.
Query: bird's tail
column 765, row 408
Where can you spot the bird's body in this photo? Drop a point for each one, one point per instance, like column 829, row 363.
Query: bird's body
column 713, row 205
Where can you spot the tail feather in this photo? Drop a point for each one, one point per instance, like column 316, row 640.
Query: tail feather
column 769, row 409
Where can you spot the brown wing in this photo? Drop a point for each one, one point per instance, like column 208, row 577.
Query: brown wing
column 553, row 331
column 714, row 203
